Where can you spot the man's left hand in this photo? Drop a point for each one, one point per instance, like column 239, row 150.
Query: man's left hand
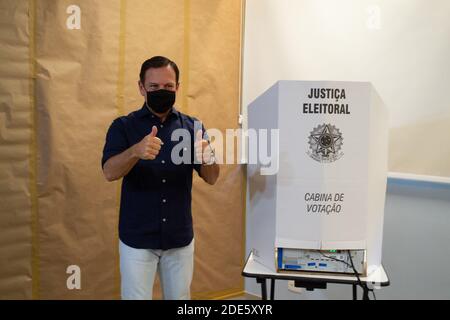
column 203, row 150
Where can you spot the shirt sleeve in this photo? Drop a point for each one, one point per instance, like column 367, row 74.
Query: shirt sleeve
column 116, row 141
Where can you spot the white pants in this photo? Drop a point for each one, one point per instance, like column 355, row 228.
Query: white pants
column 138, row 268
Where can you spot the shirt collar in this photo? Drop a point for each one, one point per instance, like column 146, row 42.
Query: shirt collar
column 144, row 111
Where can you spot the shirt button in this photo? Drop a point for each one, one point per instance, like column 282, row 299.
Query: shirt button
column 164, row 200
column 163, row 161
column 164, row 220
column 162, row 126
column 163, row 180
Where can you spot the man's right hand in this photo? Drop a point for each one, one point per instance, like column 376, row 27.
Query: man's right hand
column 148, row 148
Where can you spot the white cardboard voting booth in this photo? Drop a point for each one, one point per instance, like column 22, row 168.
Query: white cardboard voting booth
column 329, row 190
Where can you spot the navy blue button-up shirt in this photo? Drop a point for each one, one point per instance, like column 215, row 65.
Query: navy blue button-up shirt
column 155, row 207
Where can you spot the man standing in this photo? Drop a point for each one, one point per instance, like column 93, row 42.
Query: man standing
column 155, row 224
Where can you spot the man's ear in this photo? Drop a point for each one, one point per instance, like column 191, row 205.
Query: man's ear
column 178, row 85
column 142, row 89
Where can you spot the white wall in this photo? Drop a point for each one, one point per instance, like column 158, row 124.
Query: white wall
column 416, row 247
column 401, row 46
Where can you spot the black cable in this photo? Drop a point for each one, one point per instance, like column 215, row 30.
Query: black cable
column 349, row 265
column 328, row 257
column 363, row 286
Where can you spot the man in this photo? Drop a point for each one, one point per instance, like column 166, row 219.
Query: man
column 155, row 224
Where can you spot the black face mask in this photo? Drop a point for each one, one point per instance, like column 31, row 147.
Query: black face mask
column 160, row 100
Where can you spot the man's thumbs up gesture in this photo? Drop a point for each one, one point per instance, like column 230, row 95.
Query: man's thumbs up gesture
column 203, row 151
column 148, row 148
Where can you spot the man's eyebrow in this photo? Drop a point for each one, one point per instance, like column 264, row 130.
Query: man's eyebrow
column 167, row 83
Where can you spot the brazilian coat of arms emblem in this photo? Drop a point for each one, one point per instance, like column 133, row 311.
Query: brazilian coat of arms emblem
column 325, row 143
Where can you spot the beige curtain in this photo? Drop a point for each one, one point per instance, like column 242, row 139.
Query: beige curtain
column 61, row 87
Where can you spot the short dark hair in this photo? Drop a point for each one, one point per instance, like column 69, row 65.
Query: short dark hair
column 158, row 62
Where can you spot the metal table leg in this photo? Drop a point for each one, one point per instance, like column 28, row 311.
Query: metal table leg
column 262, row 281
column 272, row 289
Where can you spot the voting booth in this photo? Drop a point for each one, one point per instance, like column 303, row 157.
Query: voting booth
column 322, row 208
